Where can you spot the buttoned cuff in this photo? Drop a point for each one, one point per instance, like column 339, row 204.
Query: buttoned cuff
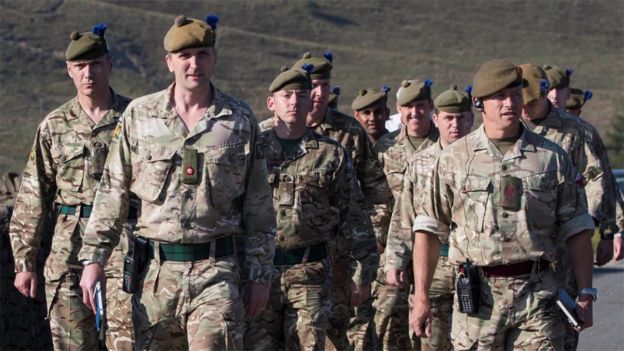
column 575, row 226
column 25, row 264
column 423, row 223
column 93, row 254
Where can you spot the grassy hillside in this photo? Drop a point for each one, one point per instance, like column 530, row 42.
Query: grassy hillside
column 373, row 42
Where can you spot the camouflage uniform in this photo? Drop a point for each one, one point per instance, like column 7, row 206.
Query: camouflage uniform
column 347, row 131
column 63, row 168
column 401, row 241
column 391, row 303
column 183, row 303
column 465, row 205
column 317, row 199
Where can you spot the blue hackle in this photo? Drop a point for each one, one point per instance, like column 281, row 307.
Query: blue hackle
column 569, row 72
column 99, row 29
column 428, row 83
column 212, row 21
column 329, row 56
column 544, row 85
column 588, row 95
column 385, row 88
column 468, row 89
column 307, row 67
column 336, row 90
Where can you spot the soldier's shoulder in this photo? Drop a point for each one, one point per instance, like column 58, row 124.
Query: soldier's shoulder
column 267, row 124
column 544, row 145
column 147, row 101
column 387, row 141
column 61, row 112
column 327, row 142
column 344, row 121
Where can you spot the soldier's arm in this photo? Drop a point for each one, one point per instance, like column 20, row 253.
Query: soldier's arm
column 400, row 239
column 376, row 190
column 34, row 202
column 259, row 219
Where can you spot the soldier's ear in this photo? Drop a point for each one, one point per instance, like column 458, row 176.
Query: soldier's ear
column 68, row 66
column 270, row 103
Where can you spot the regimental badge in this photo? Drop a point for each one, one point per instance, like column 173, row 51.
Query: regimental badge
column 117, row 130
column 510, row 193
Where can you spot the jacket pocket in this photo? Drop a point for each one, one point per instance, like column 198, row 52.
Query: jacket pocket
column 226, row 168
column 476, row 192
column 153, row 173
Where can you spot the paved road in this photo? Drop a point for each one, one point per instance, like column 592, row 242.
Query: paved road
column 607, row 334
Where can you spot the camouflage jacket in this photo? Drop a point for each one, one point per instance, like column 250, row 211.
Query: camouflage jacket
column 195, row 186
column 64, row 167
column 347, row 131
column 500, row 209
column 400, row 236
column 317, row 199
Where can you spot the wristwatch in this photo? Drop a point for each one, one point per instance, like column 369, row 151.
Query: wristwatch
column 88, row 262
column 593, row 292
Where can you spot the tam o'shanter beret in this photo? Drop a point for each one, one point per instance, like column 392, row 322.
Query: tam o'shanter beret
column 494, row 76
column 414, row 90
column 333, row 97
column 292, row 79
column 453, row 101
column 367, row 97
column 87, row 45
column 578, row 98
column 558, row 77
column 189, row 32
column 534, row 82
column 322, row 65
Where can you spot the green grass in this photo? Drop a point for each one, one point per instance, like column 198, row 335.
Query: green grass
column 373, row 42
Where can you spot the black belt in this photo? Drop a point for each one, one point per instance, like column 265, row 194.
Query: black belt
column 514, row 269
column 315, row 253
column 193, row 252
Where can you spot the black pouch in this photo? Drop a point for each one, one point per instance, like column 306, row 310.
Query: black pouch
column 510, row 193
column 135, row 263
column 190, row 174
column 98, row 159
column 468, row 288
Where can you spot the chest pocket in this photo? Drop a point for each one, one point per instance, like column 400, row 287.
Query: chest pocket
column 541, row 198
column 476, row 192
column 314, row 196
column 226, row 168
column 153, row 171
column 72, row 167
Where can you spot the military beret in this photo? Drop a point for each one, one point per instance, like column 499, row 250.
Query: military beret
column 333, row 97
column 534, row 82
column 494, row 76
column 322, row 65
column 578, row 98
column 189, row 32
column 414, row 90
column 292, row 79
column 453, row 101
column 367, row 97
column 87, row 45
column 558, row 77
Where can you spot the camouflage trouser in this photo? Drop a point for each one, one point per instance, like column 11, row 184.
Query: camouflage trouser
column 189, row 305
column 341, row 311
column 514, row 313
column 391, row 317
column 297, row 314
column 412, row 334
column 71, row 322
column 441, row 300
column 361, row 331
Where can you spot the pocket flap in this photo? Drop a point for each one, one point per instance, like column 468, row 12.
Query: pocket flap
column 73, row 152
column 476, row 183
column 541, row 182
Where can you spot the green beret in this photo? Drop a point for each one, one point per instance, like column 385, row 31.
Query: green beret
column 333, row 97
column 191, row 33
column 322, row 65
column 578, row 98
column 414, row 90
column 87, row 45
column 453, row 101
column 494, row 76
column 558, row 77
column 534, row 82
column 292, row 79
column 367, row 97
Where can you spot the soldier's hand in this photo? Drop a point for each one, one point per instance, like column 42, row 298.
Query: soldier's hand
column 90, row 275
column 584, row 312
column 26, row 284
column 604, row 252
column 256, row 298
column 617, row 248
column 396, row 277
column 359, row 294
column 420, row 318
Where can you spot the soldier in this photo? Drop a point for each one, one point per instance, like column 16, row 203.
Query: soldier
column 578, row 98
column 315, row 194
column 63, row 171
column 370, row 108
column 453, row 117
column 349, row 133
column 505, row 198
column 189, row 153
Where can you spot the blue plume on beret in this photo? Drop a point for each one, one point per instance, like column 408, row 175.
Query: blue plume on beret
column 569, row 72
column 329, row 56
column 428, row 83
column 468, row 89
column 212, row 20
column 336, row 90
column 588, row 95
column 99, row 29
column 385, row 88
column 307, row 67
column 544, row 85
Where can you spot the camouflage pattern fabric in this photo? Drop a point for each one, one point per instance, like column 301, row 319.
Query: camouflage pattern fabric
column 470, row 208
column 441, row 301
column 189, row 306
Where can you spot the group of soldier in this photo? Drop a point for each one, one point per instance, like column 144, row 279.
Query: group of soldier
column 313, row 229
